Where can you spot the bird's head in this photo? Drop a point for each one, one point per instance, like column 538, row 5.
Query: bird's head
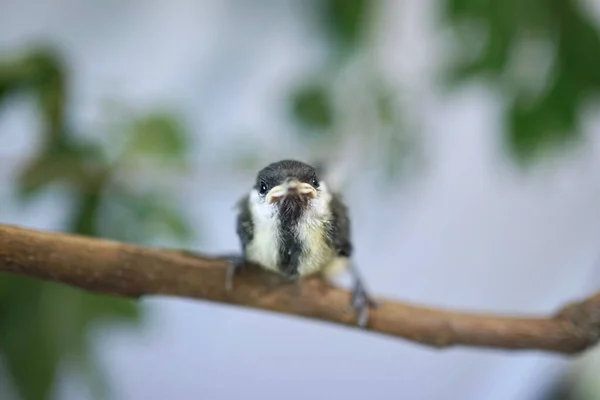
column 289, row 186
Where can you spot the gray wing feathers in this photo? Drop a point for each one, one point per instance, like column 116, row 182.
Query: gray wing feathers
column 244, row 225
column 339, row 230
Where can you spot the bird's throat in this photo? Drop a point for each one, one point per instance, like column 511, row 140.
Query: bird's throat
column 291, row 211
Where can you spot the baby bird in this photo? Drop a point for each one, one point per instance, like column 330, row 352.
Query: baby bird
column 293, row 225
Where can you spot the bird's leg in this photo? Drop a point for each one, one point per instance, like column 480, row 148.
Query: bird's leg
column 361, row 300
column 234, row 265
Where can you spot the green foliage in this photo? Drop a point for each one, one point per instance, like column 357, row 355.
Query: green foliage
column 159, row 136
column 550, row 121
column 64, row 161
column 394, row 145
column 539, row 122
column 346, row 20
column 344, row 23
column 42, row 73
column 45, row 325
column 28, row 337
column 312, row 107
column 312, row 103
column 143, row 217
column 385, row 104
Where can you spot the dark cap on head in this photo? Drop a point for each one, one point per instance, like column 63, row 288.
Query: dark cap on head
column 278, row 172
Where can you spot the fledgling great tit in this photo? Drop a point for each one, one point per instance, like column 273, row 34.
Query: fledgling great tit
column 292, row 224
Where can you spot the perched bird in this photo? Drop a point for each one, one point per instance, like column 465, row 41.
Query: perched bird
column 292, row 224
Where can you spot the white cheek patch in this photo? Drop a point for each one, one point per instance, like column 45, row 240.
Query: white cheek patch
column 264, row 247
column 261, row 210
column 319, row 206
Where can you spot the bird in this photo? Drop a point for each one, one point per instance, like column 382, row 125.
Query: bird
column 292, row 224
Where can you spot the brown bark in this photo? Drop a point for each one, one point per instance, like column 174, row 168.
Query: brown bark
column 131, row 271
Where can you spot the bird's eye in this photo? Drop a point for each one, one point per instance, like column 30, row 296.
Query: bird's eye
column 263, row 188
column 315, row 183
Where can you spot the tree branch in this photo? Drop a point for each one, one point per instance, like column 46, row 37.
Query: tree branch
column 130, row 271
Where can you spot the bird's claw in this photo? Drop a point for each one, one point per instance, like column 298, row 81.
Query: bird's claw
column 361, row 303
column 233, row 266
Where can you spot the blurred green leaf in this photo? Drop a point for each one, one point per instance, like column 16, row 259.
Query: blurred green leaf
column 98, row 380
column 173, row 224
column 12, row 79
column 52, row 94
column 547, row 124
column 42, row 72
column 312, row 107
column 578, row 52
column 114, row 308
column 59, row 162
column 143, row 217
column 385, row 105
column 551, row 122
column 44, row 325
column 27, row 344
column 346, row 19
column 85, row 215
column 148, row 214
column 160, row 136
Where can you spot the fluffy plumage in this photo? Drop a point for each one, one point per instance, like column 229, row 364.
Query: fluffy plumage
column 297, row 234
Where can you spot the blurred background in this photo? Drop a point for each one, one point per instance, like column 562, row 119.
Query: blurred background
column 464, row 134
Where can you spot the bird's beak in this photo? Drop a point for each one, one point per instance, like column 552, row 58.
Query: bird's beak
column 289, row 188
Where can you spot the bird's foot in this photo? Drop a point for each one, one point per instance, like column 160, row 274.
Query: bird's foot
column 362, row 302
column 235, row 264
